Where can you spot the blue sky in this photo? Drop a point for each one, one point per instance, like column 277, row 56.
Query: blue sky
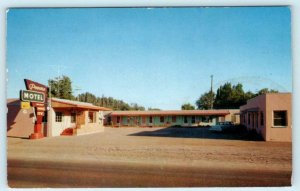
column 158, row 57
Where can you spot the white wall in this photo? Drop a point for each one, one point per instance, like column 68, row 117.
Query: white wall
column 58, row 127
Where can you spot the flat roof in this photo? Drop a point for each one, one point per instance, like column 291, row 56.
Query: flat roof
column 273, row 93
column 170, row 112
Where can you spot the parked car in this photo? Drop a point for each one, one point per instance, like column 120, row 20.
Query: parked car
column 222, row 126
column 216, row 128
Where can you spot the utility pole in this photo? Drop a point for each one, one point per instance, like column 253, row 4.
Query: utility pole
column 76, row 88
column 211, row 91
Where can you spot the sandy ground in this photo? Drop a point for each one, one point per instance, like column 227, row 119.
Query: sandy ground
column 146, row 157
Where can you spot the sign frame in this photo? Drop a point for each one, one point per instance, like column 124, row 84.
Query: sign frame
column 34, row 92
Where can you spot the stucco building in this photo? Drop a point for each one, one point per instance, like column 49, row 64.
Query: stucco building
column 169, row 118
column 269, row 115
column 64, row 117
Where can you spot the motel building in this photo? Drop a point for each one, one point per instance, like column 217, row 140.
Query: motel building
column 170, row 118
column 63, row 117
column 269, row 115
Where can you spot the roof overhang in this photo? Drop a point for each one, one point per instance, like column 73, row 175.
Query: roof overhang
column 63, row 105
column 254, row 109
column 171, row 113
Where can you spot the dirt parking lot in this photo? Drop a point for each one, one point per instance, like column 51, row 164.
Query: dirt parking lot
column 149, row 157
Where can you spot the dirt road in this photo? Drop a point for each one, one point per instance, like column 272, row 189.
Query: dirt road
column 131, row 158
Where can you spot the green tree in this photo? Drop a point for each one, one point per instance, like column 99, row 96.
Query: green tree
column 135, row 106
column 187, row 106
column 237, row 96
column 230, row 96
column 248, row 95
column 153, row 109
column 87, row 97
column 124, row 106
column 224, row 96
column 109, row 102
column 61, row 87
column 233, row 96
column 266, row 90
column 206, row 100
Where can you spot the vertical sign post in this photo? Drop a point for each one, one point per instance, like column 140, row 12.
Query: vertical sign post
column 40, row 107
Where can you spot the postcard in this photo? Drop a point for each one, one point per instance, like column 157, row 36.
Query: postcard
column 149, row 97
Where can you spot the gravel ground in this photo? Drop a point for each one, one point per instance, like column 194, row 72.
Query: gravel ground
column 171, row 147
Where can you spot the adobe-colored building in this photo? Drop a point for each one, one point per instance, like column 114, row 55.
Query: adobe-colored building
column 20, row 123
column 269, row 115
column 64, row 117
column 169, row 118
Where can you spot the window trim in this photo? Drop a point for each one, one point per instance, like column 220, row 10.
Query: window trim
column 286, row 119
column 59, row 118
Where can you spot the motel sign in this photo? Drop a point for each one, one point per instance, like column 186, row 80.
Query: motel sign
column 32, row 96
column 36, row 95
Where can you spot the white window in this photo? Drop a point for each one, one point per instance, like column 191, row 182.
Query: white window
column 58, row 116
